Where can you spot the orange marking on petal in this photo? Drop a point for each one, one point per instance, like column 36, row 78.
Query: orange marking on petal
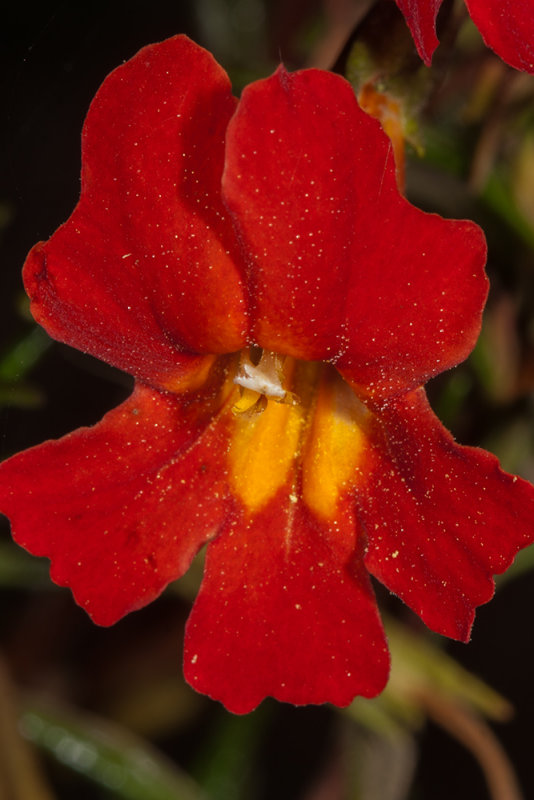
column 263, row 448
column 336, row 446
column 190, row 378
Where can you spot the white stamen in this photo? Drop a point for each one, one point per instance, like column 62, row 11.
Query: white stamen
column 264, row 377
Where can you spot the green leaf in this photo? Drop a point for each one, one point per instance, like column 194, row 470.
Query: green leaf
column 223, row 768
column 24, row 355
column 107, row 755
column 420, row 665
column 418, row 662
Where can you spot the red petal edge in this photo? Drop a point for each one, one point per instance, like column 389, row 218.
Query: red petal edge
column 122, row 508
column 441, row 519
column 507, row 26
column 421, row 16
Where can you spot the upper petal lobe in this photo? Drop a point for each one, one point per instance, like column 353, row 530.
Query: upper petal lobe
column 421, row 18
column 507, row 26
column 146, row 267
column 342, row 268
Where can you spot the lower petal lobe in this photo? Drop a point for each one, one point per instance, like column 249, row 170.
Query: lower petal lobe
column 285, row 610
column 441, row 519
column 122, row 508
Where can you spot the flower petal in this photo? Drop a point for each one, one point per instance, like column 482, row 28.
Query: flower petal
column 420, row 311
column 342, row 268
column 285, row 610
column 507, row 26
column 144, row 268
column 421, row 19
column 122, row 508
column 441, row 519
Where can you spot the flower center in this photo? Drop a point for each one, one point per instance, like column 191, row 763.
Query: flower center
column 298, row 428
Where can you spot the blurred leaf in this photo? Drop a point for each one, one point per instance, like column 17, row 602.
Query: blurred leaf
column 20, row 395
column 377, row 717
column 125, row 766
column 450, row 401
column 20, row 773
column 523, row 177
column 378, row 767
column 24, row 355
column 14, row 366
column 419, row 665
column 223, row 767
column 424, row 679
column 524, row 561
column 234, row 30
column 499, row 197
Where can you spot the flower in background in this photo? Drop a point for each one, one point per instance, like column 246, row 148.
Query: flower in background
column 507, row 26
column 280, row 305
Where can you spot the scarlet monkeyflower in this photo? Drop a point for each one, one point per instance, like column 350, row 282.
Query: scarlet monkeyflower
column 507, row 26
column 280, row 305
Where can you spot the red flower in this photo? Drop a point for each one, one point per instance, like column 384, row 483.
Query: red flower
column 280, row 325
column 507, row 26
